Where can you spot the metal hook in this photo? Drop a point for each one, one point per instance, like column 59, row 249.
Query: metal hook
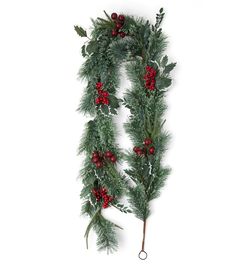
column 142, row 255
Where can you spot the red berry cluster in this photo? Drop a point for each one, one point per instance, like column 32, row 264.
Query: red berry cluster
column 119, row 22
column 109, row 155
column 101, row 193
column 149, row 77
column 103, row 95
column 140, row 151
column 98, row 158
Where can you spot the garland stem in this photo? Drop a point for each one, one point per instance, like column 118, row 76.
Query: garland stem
column 144, row 234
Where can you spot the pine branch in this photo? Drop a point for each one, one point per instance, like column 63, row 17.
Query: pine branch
column 106, row 235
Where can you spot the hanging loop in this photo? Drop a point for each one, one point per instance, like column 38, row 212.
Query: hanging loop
column 142, row 255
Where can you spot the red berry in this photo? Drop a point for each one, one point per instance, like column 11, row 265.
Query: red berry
column 99, row 85
column 100, row 91
column 153, row 72
column 103, row 191
column 147, row 141
column 105, row 93
column 114, row 33
column 121, row 22
column 114, row 16
column 95, row 159
column 122, row 34
column 99, row 164
column 105, row 101
column 152, row 82
column 118, row 26
column 152, row 150
column 96, row 194
column 121, row 17
column 97, row 100
column 136, row 149
column 140, row 152
column 113, row 158
column 95, row 154
column 108, row 154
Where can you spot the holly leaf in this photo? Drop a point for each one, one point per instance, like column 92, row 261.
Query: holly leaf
column 113, row 111
column 80, row 31
column 105, row 109
column 91, row 47
column 164, row 82
column 122, row 208
column 164, row 61
column 114, row 102
column 169, row 67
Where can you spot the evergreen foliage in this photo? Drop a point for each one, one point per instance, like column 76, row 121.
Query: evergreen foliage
column 144, row 45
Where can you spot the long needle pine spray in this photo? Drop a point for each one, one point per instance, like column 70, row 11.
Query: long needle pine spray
column 140, row 46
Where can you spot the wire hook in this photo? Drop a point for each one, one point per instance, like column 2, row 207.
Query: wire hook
column 142, row 255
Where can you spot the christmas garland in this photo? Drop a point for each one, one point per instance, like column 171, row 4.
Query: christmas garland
column 134, row 42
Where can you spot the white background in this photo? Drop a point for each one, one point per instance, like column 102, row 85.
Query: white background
column 193, row 222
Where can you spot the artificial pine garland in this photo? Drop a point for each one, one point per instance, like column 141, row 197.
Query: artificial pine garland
column 139, row 45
